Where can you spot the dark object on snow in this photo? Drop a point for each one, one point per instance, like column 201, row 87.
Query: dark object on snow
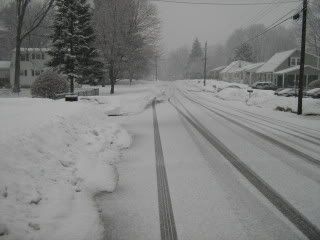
column 71, row 98
column 48, row 84
column 3, row 230
column 264, row 86
column 314, row 84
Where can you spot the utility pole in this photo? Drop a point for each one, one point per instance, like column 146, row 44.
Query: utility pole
column 205, row 64
column 302, row 57
column 156, row 68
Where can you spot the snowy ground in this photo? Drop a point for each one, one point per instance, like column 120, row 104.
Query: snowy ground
column 59, row 157
column 56, row 157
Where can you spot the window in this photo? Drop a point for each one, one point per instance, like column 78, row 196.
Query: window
column 37, row 72
column 23, row 57
column 33, row 56
column 32, row 72
column 24, row 73
column 42, row 55
column 38, row 55
column 294, row 61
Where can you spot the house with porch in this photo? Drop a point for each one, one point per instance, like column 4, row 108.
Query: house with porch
column 229, row 73
column 283, row 69
column 247, row 74
column 215, row 73
column 33, row 63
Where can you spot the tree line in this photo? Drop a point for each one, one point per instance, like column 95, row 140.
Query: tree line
column 181, row 64
column 90, row 43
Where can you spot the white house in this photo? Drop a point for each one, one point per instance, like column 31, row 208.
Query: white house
column 230, row 72
column 33, row 63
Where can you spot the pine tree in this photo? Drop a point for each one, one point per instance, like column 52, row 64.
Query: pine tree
column 72, row 51
column 196, row 51
column 195, row 65
column 89, row 68
column 244, row 52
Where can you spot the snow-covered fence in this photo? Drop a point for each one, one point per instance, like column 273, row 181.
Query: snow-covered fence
column 89, row 92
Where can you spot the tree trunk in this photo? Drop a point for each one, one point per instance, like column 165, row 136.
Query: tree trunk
column 112, row 78
column 16, row 85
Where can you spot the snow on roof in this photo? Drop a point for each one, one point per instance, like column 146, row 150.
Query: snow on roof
column 275, row 61
column 234, row 66
column 4, row 64
column 218, row 68
column 250, row 67
column 33, row 49
column 296, row 68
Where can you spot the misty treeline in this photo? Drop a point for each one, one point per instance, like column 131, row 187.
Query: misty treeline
column 242, row 45
column 126, row 33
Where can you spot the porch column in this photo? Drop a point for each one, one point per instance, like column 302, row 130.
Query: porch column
column 307, row 81
column 283, row 80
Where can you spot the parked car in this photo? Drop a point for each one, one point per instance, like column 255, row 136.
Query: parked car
column 264, row 86
column 283, row 91
column 293, row 93
column 276, row 92
column 314, row 93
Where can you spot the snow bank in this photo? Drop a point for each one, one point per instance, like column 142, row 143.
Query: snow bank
column 55, row 157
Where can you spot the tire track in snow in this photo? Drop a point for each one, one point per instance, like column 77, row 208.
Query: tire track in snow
column 167, row 223
column 289, row 211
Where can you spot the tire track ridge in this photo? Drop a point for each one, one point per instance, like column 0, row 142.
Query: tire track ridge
column 166, row 216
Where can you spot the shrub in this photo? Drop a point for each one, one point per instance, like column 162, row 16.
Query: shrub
column 315, row 84
column 48, row 84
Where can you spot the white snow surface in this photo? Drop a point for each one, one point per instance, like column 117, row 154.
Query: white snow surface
column 55, row 158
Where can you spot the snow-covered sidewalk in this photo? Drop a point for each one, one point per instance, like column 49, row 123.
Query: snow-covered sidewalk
column 56, row 157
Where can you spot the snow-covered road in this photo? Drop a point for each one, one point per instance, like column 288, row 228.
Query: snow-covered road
column 232, row 173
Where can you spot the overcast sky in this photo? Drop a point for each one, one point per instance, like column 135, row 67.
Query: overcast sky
column 182, row 23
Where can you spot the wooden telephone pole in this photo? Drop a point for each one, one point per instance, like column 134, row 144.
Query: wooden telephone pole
column 302, row 57
column 205, row 65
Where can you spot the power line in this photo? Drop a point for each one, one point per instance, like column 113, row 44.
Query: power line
column 273, row 25
column 223, row 4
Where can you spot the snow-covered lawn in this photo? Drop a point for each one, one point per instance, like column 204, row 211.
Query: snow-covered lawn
column 259, row 98
column 56, row 157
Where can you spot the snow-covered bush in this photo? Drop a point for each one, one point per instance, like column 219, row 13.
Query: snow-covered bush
column 48, row 84
column 315, row 84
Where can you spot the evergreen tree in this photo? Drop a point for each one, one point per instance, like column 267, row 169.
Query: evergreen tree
column 196, row 51
column 244, row 52
column 72, row 52
column 195, row 64
column 88, row 67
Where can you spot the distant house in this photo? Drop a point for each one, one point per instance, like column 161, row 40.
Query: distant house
column 215, row 73
column 4, row 73
column 247, row 74
column 32, row 64
column 283, row 68
column 230, row 73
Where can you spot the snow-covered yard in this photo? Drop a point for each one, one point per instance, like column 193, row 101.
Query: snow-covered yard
column 56, row 157
column 259, row 98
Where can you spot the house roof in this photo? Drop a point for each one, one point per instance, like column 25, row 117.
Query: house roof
column 296, row 68
column 250, row 67
column 232, row 67
column 4, row 64
column 218, row 68
column 275, row 61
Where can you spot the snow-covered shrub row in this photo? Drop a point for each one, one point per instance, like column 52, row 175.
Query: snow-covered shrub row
column 52, row 165
column 48, row 84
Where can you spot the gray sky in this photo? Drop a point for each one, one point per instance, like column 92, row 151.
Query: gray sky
column 182, row 23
